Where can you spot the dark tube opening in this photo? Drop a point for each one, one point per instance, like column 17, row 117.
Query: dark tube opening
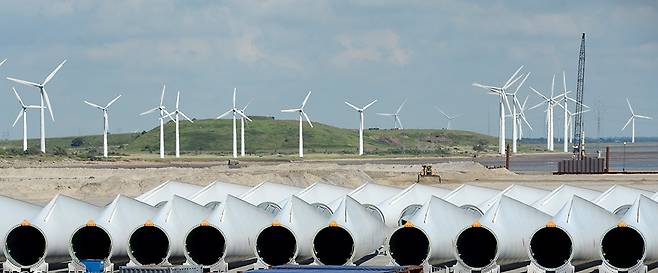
column 149, row 245
column 91, row 243
column 25, row 246
column 477, row 247
column 409, row 246
column 623, row 247
column 333, row 246
column 550, row 247
column 276, row 245
column 205, row 245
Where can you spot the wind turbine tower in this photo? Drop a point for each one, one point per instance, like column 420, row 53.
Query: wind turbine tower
column 235, row 111
column 242, row 121
column 44, row 98
column 361, row 110
column 177, row 113
column 163, row 113
column 105, row 121
column 23, row 113
column 631, row 120
column 302, row 115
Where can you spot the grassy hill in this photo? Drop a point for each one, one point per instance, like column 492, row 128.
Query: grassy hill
column 265, row 136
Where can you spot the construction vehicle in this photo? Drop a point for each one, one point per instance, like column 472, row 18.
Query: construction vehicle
column 428, row 171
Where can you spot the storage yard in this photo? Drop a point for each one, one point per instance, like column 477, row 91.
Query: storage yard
column 339, row 213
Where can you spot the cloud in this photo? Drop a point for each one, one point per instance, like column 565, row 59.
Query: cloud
column 375, row 46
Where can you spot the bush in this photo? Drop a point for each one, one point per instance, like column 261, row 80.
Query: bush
column 60, row 151
column 77, row 142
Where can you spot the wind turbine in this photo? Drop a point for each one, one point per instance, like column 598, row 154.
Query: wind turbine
column 504, row 103
column 550, row 102
column 570, row 122
column 163, row 113
column 396, row 116
column 44, row 97
column 176, row 114
column 515, row 105
column 360, row 110
column 567, row 114
column 632, row 120
column 242, row 128
column 301, row 112
column 234, row 111
column 105, row 122
column 520, row 118
column 448, row 117
column 23, row 113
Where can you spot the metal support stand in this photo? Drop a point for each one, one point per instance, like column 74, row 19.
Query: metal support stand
column 220, row 267
column 532, row 268
column 459, row 268
column 8, row 267
column 640, row 268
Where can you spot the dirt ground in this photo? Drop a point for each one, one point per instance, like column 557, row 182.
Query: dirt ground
column 100, row 182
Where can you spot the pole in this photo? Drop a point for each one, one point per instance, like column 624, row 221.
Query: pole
column 514, row 129
column 43, row 127
column 624, row 160
column 24, row 130
column 242, row 137
column 235, row 137
column 162, row 155
column 177, row 136
column 105, row 133
column 507, row 157
column 361, row 134
column 501, row 137
column 301, row 136
column 607, row 159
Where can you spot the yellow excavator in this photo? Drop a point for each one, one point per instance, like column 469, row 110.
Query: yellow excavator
column 428, row 171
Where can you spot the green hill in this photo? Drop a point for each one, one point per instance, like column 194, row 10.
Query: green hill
column 266, row 136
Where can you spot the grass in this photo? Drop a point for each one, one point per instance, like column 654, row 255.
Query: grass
column 266, row 136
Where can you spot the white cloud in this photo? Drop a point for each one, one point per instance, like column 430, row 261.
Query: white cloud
column 375, row 46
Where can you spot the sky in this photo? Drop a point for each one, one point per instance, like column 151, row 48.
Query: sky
column 426, row 52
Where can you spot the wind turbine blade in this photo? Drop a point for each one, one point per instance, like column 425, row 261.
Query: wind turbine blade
column 186, row 117
column 3, row 62
column 177, row 99
column 307, row 119
column 50, row 108
column 539, row 104
column 644, row 117
column 552, row 86
column 524, row 103
column 20, row 114
column 399, row 122
column 350, row 105
column 167, row 114
column 52, row 74
column 564, row 81
column 504, row 97
column 306, row 99
column 443, row 113
column 164, row 87
column 540, row 94
column 484, row 86
column 521, row 84
column 401, row 105
column 245, row 107
column 526, row 121
column 243, row 115
column 24, row 82
column 93, row 105
column 385, row 114
column 628, row 122
column 290, row 110
column 149, row 111
column 508, row 83
column 511, row 83
column 18, row 97
column 235, row 90
column 630, row 107
column 225, row 113
column 112, row 101
column 369, row 104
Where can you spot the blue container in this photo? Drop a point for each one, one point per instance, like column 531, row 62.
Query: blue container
column 93, row 266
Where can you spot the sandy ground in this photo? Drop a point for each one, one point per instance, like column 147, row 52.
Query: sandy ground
column 100, row 182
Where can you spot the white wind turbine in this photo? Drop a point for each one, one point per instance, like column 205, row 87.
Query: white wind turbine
column 242, row 145
column 105, row 121
column 503, row 103
column 163, row 113
column 360, row 110
column 520, row 118
column 515, row 114
column 570, row 122
column 550, row 102
column 301, row 112
column 396, row 116
column 631, row 120
column 234, row 111
column 567, row 114
column 176, row 113
column 448, row 117
column 44, row 97
column 23, row 113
